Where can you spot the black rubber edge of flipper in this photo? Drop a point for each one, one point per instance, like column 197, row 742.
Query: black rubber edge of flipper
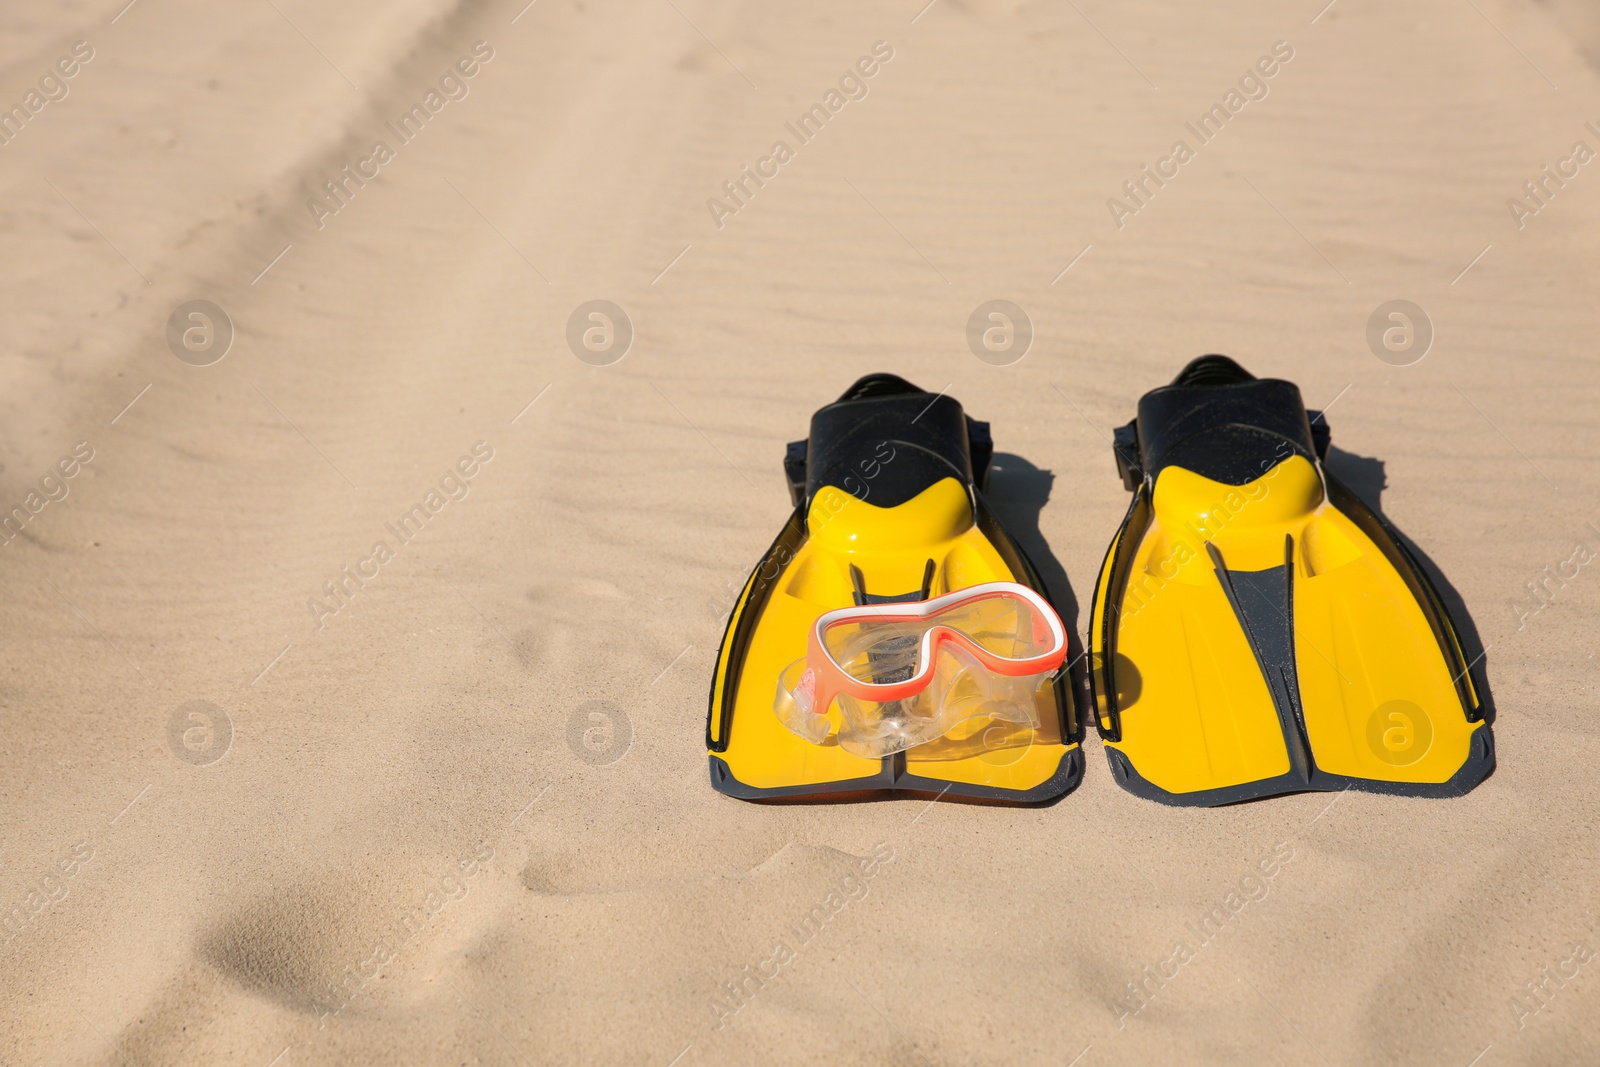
column 1479, row 764
column 890, row 784
column 1102, row 675
column 741, row 624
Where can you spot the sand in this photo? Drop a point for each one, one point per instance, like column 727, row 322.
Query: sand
column 462, row 815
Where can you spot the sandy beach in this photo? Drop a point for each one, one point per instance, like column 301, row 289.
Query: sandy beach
column 361, row 608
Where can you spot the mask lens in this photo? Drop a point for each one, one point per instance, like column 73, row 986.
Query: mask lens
column 878, row 653
column 1006, row 626
column 882, row 651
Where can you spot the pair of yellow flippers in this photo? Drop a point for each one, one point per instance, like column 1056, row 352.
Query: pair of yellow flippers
column 1256, row 629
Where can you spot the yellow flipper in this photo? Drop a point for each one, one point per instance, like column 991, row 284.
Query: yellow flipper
column 1256, row 628
column 891, row 510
